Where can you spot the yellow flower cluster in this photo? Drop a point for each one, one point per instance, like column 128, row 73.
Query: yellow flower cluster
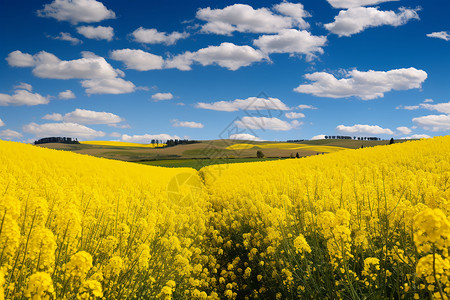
column 78, row 227
column 355, row 224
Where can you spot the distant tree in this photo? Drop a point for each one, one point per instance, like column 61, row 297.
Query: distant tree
column 259, row 154
column 362, row 146
column 297, row 156
column 391, row 141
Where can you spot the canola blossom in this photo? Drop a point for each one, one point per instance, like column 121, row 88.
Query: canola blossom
column 121, row 144
column 286, row 146
column 357, row 224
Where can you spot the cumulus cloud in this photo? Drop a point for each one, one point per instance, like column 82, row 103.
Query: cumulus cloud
column 76, row 11
column 23, row 97
column 434, row 122
column 292, row 41
column 263, row 123
column 416, row 137
column 365, row 129
column 146, row 138
column 138, row 59
column 23, row 86
column 227, row 55
column 440, row 107
column 404, row 130
column 444, row 35
column 408, row 107
column 162, row 96
column 318, row 137
column 244, row 18
column 9, row 134
column 2, row 123
column 53, row 117
column 84, row 116
column 19, row 59
column 355, row 3
column 294, row 115
column 153, row 36
column 90, row 66
column 65, row 36
column 428, row 101
column 357, row 19
column 62, row 129
column 244, row 136
column 294, row 10
column 189, row 124
column 97, row 33
column 251, row 103
column 365, row 85
column 67, row 94
column 108, row 86
column 305, row 106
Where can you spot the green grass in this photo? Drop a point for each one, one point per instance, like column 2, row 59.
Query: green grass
column 200, row 163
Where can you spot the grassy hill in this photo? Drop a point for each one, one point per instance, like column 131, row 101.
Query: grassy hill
column 212, row 151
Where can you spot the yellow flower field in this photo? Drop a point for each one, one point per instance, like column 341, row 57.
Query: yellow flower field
column 289, row 146
column 371, row 223
column 121, row 144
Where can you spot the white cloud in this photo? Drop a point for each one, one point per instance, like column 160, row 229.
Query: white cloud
column 162, row 96
column 83, row 116
column 244, row 136
column 408, row 107
column 65, row 36
column 296, row 123
column 67, row 94
column 428, row 101
column 91, row 66
column 244, row 18
column 23, row 97
column 445, row 35
column 294, row 10
column 115, row 134
column 226, row 55
column 366, row 129
column 53, row 117
column 355, row 3
column 2, row 123
column 263, row 123
column 23, row 86
column 62, row 129
column 189, row 124
column 318, row 137
column 292, row 41
column 365, row 85
column 108, row 86
column 9, row 134
column 434, row 122
column 440, row 107
column 251, row 103
column 416, row 136
column 305, row 106
column 19, row 59
column 357, row 19
column 404, row 130
column 76, row 11
column 294, row 115
column 138, row 59
column 97, row 33
column 146, row 138
column 153, row 36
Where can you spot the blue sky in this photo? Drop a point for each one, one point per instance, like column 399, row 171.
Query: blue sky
column 271, row 70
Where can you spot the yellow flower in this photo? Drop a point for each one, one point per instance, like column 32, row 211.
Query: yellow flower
column 301, row 245
column 79, row 264
column 40, row 287
column 90, row 290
